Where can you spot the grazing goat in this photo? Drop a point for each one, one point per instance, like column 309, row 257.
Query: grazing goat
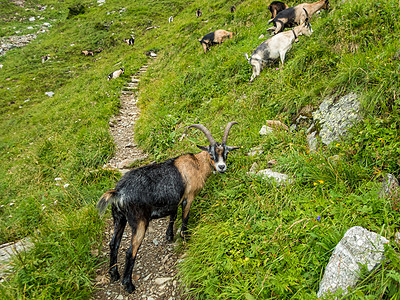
column 276, row 47
column 87, row 52
column 198, row 13
column 275, row 7
column 294, row 16
column 216, row 37
column 233, row 8
column 45, row 57
column 130, row 41
column 115, row 74
column 155, row 191
column 170, row 19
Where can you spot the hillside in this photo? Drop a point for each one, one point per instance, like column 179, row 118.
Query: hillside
column 250, row 238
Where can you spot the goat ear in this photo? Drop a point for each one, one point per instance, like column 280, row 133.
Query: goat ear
column 228, row 148
column 204, row 148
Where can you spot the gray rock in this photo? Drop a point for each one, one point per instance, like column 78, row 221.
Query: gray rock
column 390, row 187
column 7, row 251
column 265, row 130
column 280, row 178
column 357, row 247
column 312, row 141
column 336, row 118
column 162, row 280
column 50, row 94
column 255, row 151
column 397, row 238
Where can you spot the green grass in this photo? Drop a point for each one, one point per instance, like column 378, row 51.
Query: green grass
column 250, row 239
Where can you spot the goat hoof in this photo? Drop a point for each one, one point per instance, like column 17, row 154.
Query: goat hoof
column 183, row 236
column 114, row 275
column 129, row 288
column 170, row 238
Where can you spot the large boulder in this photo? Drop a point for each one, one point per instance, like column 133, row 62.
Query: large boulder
column 335, row 118
column 358, row 247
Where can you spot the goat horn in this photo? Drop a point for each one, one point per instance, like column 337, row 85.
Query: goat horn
column 306, row 13
column 226, row 132
column 206, row 132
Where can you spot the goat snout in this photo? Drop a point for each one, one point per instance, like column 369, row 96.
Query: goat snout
column 221, row 168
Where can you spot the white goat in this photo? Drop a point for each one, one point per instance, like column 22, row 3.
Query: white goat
column 276, row 47
column 116, row 74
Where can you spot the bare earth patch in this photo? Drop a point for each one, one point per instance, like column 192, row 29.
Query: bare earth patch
column 155, row 273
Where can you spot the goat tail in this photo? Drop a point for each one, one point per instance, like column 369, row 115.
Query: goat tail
column 247, row 57
column 105, row 199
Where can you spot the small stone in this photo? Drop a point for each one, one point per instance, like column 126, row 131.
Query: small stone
column 265, row 130
column 162, row 280
column 120, row 297
column 255, row 151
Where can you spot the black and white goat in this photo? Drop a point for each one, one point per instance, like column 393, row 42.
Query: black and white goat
column 115, row 74
column 155, row 191
column 130, row 41
column 276, row 47
column 296, row 15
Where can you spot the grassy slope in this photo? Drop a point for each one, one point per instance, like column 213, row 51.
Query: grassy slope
column 250, row 239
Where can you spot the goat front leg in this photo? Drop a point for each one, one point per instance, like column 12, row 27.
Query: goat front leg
column 119, row 226
column 279, row 27
column 138, row 232
column 170, row 230
column 186, row 204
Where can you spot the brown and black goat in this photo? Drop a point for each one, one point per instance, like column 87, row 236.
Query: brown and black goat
column 87, row 52
column 116, row 74
column 275, row 7
column 198, row 13
column 130, row 41
column 233, row 9
column 156, row 191
column 294, row 16
column 216, row 37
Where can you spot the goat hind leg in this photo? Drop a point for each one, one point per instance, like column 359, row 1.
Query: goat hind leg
column 138, row 232
column 170, row 230
column 119, row 226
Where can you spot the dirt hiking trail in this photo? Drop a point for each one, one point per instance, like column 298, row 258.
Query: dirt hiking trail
column 154, row 274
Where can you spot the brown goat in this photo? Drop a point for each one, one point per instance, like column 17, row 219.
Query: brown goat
column 294, row 16
column 275, row 7
column 216, row 37
column 87, row 52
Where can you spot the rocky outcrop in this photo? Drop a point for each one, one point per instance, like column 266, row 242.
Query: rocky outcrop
column 8, row 43
column 358, row 247
column 335, row 118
